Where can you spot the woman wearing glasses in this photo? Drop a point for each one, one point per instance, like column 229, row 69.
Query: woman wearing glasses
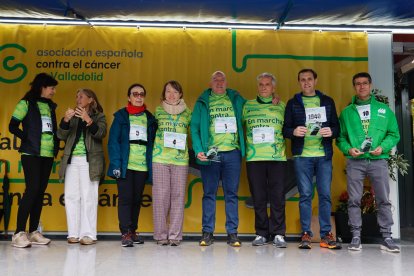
column 170, row 165
column 131, row 139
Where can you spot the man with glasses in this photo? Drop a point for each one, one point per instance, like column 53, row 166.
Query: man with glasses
column 369, row 131
column 218, row 143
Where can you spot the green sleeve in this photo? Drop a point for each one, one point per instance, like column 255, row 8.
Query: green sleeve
column 393, row 134
column 342, row 141
column 195, row 129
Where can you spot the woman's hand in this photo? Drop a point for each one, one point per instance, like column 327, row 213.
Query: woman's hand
column 68, row 115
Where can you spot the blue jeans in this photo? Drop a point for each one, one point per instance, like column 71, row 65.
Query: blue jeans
column 228, row 170
column 306, row 168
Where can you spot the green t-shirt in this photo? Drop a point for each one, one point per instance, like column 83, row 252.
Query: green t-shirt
column 137, row 152
column 170, row 146
column 223, row 123
column 313, row 143
column 364, row 110
column 80, row 149
column 46, row 140
column 264, row 123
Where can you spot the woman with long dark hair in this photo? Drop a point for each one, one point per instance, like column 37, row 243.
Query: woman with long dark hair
column 83, row 164
column 131, row 139
column 39, row 145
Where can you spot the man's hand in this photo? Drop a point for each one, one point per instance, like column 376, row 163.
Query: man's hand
column 275, row 99
column 325, row 132
column 300, row 131
column 354, row 152
column 376, row 151
column 117, row 173
column 202, row 157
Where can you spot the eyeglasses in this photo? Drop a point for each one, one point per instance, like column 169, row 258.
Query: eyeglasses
column 138, row 94
column 365, row 83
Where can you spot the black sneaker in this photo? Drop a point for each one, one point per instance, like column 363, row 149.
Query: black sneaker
column 233, row 240
column 306, row 241
column 207, row 239
column 329, row 241
column 389, row 245
column 136, row 238
column 126, row 240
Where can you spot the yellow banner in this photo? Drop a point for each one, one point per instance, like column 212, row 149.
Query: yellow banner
column 108, row 60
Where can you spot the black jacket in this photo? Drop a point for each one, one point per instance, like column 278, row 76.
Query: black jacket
column 295, row 116
column 31, row 133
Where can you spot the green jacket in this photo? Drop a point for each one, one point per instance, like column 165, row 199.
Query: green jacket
column 200, row 122
column 93, row 135
column 383, row 129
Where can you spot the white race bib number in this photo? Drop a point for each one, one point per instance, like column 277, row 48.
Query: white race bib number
column 137, row 132
column 225, row 125
column 364, row 111
column 315, row 115
column 47, row 125
column 175, row 140
column 263, row 135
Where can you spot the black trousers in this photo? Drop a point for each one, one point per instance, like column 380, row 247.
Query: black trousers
column 36, row 175
column 130, row 191
column 267, row 184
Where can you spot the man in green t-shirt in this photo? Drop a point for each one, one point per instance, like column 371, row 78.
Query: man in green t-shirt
column 266, row 162
column 311, row 123
column 369, row 131
column 218, row 143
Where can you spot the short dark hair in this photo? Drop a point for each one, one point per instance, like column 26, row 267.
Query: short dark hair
column 41, row 80
column 135, row 85
column 361, row 75
column 176, row 85
column 308, row 70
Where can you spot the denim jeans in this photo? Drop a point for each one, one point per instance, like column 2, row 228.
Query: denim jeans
column 306, row 168
column 228, row 170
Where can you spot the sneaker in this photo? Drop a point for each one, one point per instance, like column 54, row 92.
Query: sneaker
column 389, row 245
column 175, row 242
column 137, row 239
column 279, row 241
column 126, row 240
column 355, row 244
column 233, row 240
column 87, row 241
column 37, row 238
column 20, row 240
column 207, row 239
column 259, row 240
column 329, row 241
column 73, row 240
column 163, row 242
column 306, row 241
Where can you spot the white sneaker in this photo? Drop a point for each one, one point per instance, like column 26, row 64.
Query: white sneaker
column 259, row 241
column 20, row 240
column 279, row 241
column 37, row 238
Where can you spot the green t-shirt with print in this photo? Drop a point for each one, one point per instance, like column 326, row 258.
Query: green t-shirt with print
column 264, row 123
column 137, row 152
column 46, row 140
column 313, row 143
column 80, row 149
column 170, row 146
column 363, row 107
column 223, row 123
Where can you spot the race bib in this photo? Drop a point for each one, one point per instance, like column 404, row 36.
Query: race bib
column 364, row 111
column 175, row 140
column 315, row 115
column 263, row 135
column 137, row 132
column 225, row 125
column 47, row 125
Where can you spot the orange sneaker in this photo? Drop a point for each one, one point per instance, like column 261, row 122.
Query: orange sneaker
column 328, row 241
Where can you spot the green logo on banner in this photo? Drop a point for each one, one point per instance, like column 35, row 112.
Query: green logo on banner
column 9, row 66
